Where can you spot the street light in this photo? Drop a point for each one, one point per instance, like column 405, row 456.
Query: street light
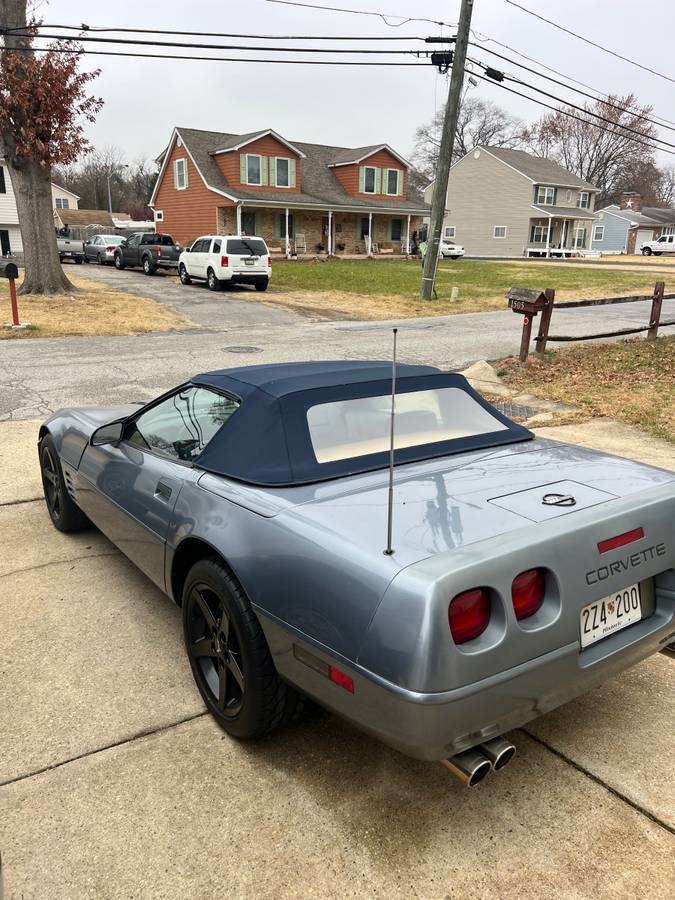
column 122, row 166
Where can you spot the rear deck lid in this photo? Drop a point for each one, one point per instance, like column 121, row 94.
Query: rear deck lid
column 548, row 501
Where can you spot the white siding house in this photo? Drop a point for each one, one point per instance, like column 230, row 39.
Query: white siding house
column 10, row 232
column 63, row 199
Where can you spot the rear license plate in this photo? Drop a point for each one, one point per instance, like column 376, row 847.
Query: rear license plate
column 604, row 617
column 249, row 262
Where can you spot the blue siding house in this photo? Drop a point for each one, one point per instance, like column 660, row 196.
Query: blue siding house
column 610, row 230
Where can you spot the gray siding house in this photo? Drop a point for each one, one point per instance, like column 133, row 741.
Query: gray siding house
column 506, row 203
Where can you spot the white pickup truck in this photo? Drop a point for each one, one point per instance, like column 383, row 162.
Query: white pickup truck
column 664, row 244
column 69, row 249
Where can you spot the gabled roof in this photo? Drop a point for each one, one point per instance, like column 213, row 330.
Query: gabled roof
column 59, row 187
column 320, row 186
column 85, row 217
column 649, row 215
column 348, row 157
column 538, row 169
column 237, row 141
column 657, row 214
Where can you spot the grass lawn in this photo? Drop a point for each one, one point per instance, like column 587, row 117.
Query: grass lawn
column 633, row 381
column 93, row 310
column 387, row 289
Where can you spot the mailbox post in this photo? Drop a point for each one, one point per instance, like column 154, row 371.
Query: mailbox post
column 9, row 271
column 528, row 304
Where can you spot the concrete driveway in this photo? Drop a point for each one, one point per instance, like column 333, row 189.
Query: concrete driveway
column 115, row 783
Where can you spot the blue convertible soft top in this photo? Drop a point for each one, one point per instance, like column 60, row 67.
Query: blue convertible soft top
column 267, row 440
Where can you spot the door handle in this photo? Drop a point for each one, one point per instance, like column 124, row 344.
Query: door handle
column 163, row 491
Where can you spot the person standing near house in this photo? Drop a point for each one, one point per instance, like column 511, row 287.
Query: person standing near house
column 423, row 250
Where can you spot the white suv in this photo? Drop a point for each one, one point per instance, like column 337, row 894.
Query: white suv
column 221, row 259
column 665, row 244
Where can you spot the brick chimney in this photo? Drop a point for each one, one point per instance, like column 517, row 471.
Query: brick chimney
column 631, row 200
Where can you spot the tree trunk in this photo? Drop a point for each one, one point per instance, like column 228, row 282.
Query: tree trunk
column 33, row 192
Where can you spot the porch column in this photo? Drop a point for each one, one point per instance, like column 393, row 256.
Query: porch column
column 288, row 246
column 329, row 243
column 370, row 233
column 238, row 218
column 407, row 239
column 548, row 236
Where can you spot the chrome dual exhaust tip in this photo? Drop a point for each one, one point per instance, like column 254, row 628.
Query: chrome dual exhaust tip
column 472, row 766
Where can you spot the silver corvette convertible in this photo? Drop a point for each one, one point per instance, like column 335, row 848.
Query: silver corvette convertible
column 437, row 594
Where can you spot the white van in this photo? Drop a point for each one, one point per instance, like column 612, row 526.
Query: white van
column 220, row 259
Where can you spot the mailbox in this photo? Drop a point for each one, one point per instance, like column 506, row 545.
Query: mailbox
column 8, row 270
column 526, row 302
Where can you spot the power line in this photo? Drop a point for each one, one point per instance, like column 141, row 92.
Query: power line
column 588, row 41
column 84, row 28
column 364, row 12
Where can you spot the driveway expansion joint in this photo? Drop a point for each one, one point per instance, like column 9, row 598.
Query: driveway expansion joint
column 59, row 562
column 599, row 781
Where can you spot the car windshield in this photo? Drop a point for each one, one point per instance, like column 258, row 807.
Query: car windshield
column 247, row 247
column 346, row 429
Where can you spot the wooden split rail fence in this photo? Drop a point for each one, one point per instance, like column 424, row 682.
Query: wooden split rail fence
column 529, row 303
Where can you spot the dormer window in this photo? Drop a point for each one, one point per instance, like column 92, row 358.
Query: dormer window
column 546, row 196
column 283, row 174
column 369, row 178
column 394, row 182
column 253, row 168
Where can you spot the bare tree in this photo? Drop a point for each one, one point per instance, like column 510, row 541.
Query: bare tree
column 599, row 152
column 42, row 105
column 480, row 122
column 666, row 194
column 130, row 183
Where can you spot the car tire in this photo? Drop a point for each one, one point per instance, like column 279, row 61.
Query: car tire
column 657, row 252
column 119, row 262
column 213, row 283
column 183, row 274
column 454, row 257
column 229, row 656
column 646, row 251
column 86, row 259
column 262, row 285
column 148, row 267
column 78, row 260
column 65, row 514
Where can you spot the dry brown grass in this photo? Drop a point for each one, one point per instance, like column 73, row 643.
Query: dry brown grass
column 93, row 310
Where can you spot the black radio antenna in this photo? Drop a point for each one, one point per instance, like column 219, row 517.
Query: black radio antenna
column 390, row 501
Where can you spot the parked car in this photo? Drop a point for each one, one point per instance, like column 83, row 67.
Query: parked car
column 226, row 259
column 664, row 244
column 521, row 571
column 70, row 249
column 450, row 250
column 101, row 248
column 149, row 251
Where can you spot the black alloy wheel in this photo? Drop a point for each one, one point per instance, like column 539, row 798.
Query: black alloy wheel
column 229, row 656
column 183, row 275
column 63, row 511
column 214, row 648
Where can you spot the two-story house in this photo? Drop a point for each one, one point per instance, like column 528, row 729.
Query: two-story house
column 506, row 203
column 10, row 231
column 298, row 196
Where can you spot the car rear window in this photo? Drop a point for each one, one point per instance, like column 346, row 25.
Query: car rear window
column 247, row 247
column 163, row 240
column 346, row 429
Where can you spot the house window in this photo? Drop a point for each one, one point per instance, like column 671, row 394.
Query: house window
column 253, row 169
column 546, row 196
column 599, row 233
column 5, row 246
column 393, row 176
column 365, row 224
column 283, row 169
column 449, row 232
column 396, row 228
column 369, row 179
column 568, row 196
column 159, row 215
column 669, row 229
column 538, row 234
column 580, row 237
column 584, row 200
column 180, row 175
column 281, row 219
column 248, row 223
column 499, row 231
column 62, row 203
column 3, row 186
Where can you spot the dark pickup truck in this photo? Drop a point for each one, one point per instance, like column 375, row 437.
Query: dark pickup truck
column 149, row 251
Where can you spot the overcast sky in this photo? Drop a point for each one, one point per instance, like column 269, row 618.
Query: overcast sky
column 350, row 106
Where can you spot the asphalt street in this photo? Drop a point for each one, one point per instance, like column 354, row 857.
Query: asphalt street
column 39, row 376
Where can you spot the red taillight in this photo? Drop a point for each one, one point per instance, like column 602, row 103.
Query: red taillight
column 269, row 261
column 621, row 540
column 159, row 251
column 343, row 680
column 469, row 615
column 109, row 249
column 224, row 262
column 527, row 592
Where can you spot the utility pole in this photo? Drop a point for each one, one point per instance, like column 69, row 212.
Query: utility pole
column 440, row 194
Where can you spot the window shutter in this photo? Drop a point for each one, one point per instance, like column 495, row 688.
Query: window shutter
column 378, row 180
column 362, row 180
column 242, row 168
column 555, row 196
column 3, row 186
column 273, row 170
column 175, row 173
column 291, row 173
column 399, row 187
column 263, row 170
column 278, row 228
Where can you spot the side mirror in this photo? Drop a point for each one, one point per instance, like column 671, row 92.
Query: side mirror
column 107, row 434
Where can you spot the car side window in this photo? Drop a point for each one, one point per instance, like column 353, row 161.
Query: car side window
column 134, row 240
column 181, row 426
column 198, row 246
column 216, row 247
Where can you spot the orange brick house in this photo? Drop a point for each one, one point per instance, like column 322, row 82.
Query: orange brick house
column 295, row 195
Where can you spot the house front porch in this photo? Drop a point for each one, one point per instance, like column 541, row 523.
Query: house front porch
column 559, row 235
column 294, row 232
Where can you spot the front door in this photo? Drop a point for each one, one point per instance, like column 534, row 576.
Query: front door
column 248, row 224
column 129, row 489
